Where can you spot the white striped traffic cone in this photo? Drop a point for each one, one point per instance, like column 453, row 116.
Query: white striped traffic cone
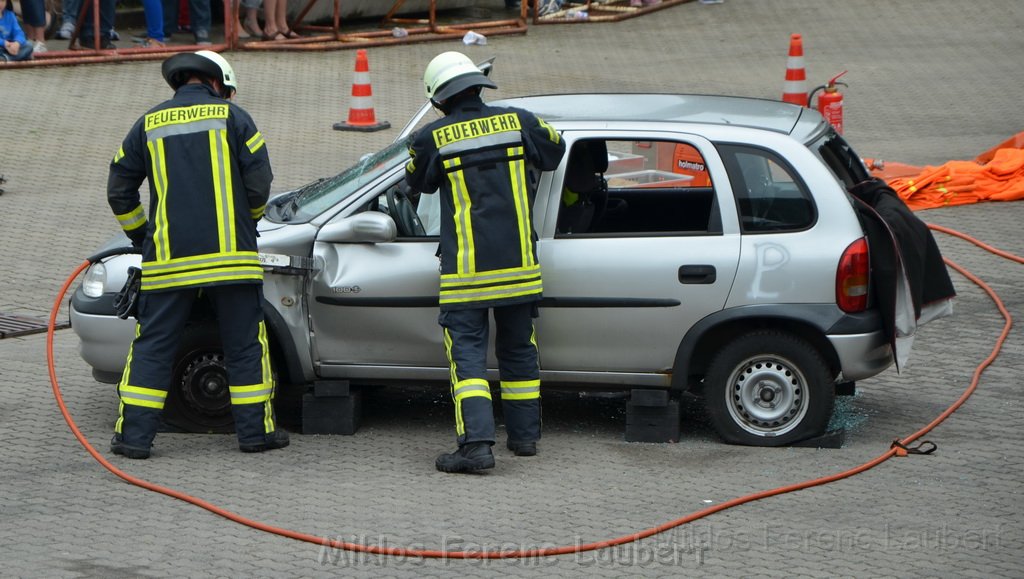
column 794, row 90
column 360, row 113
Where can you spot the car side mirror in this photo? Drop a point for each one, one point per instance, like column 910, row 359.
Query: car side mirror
column 365, row 227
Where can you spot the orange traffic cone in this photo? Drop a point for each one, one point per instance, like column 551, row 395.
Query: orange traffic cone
column 794, row 90
column 360, row 114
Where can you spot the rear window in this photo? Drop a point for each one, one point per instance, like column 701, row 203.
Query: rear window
column 770, row 196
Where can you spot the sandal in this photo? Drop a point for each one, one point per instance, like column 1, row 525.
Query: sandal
column 291, row 34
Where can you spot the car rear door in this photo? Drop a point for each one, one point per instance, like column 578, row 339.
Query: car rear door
column 619, row 296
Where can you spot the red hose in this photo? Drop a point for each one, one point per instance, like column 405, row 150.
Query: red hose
column 514, row 554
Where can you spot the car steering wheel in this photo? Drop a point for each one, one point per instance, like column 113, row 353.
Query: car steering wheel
column 402, row 211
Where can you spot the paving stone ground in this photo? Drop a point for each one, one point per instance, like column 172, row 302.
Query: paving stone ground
column 930, row 81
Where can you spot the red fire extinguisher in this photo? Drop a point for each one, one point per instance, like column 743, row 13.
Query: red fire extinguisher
column 830, row 102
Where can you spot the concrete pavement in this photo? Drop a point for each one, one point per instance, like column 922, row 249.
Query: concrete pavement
column 930, row 80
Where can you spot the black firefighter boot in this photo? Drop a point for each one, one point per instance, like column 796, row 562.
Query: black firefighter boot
column 250, row 425
column 469, row 457
column 138, row 429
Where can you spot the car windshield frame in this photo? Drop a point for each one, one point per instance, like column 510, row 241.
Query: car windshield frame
column 313, row 199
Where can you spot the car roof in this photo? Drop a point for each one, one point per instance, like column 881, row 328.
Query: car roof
column 799, row 122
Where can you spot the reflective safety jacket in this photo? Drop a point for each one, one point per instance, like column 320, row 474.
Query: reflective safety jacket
column 480, row 158
column 209, row 180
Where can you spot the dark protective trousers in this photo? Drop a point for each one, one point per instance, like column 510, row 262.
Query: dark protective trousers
column 147, row 374
column 465, row 339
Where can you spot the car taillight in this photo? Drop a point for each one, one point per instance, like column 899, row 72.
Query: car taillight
column 852, row 278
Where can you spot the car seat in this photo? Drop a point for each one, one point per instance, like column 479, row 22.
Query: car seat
column 585, row 191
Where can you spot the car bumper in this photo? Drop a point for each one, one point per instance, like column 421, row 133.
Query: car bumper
column 104, row 339
column 862, row 355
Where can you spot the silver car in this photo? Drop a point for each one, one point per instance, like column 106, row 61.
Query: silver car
column 697, row 244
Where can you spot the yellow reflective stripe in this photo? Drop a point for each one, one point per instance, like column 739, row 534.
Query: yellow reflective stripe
column 139, row 396
column 552, row 133
column 120, row 417
column 495, row 294
column 250, row 394
column 126, row 379
column 185, row 115
column 465, row 259
column 475, row 128
column 206, row 260
column 119, row 154
column 222, row 192
column 202, row 277
column 268, row 378
column 520, row 389
column 257, row 212
column 256, row 142
column 517, row 173
column 493, row 276
column 472, row 388
column 161, row 240
column 460, row 427
column 132, row 220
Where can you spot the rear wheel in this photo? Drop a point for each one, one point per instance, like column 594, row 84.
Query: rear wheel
column 769, row 388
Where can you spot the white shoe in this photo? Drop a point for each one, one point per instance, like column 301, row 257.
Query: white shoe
column 66, row 30
column 38, row 47
column 548, row 7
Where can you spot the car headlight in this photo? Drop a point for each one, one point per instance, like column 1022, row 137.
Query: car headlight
column 95, row 280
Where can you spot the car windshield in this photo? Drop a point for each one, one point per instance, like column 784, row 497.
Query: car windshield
column 313, row 199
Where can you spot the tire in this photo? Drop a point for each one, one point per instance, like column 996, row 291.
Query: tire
column 769, row 388
column 199, row 399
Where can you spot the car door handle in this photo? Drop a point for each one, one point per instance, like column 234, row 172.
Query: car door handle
column 699, row 274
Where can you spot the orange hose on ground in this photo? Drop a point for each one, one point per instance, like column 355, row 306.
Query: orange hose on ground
column 515, row 554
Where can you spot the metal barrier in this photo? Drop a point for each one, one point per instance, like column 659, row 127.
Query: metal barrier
column 331, row 37
column 593, row 11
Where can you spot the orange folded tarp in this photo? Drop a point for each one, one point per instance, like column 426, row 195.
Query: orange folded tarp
column 995, row 175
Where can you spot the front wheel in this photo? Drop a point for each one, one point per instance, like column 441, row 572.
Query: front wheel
column 769, row 388
column 199, row 399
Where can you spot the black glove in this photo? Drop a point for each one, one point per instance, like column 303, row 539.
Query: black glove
column 137, row 237
column 126, row 302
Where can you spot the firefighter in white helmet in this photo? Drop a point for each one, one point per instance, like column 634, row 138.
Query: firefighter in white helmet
column 209, row 180
column 485, row 161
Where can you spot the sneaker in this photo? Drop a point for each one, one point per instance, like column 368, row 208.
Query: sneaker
column 203, row 37
column 114, row 35
column 468, row 458
column 117, row 446
column 272, row 441
column 152, row 43
column 66, row 30
column 522, row 448
column 546, row 7
column 38, row 47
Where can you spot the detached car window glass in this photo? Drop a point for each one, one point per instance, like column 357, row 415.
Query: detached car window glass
column 313, row 199
column 840, row 158
column 768, row 194
column 621, row 188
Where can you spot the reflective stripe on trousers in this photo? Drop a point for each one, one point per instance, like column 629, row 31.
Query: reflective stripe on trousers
column 466, row 340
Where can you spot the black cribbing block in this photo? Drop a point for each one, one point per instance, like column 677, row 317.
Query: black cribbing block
column 831, row 439
column 643, row 397
column 331, row 414
column 846, row 389
column 331, row 388
column 652, row 423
